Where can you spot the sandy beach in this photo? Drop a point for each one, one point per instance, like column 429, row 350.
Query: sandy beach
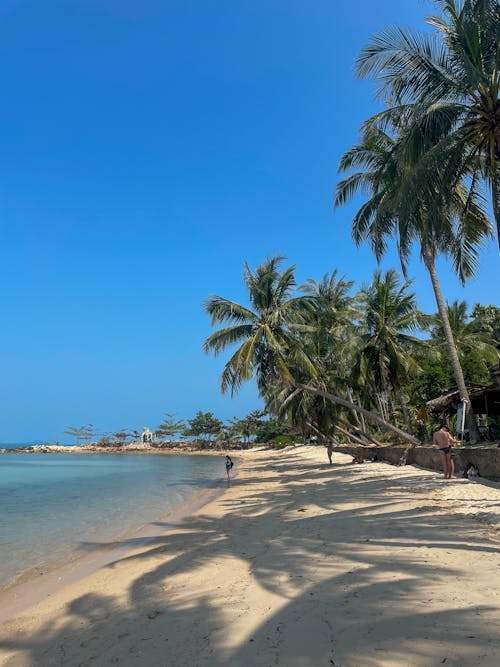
column 297, row 564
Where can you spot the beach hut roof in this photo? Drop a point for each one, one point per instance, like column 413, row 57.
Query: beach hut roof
column 451, row 397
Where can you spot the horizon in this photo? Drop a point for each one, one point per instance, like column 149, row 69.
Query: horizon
column 149, row 151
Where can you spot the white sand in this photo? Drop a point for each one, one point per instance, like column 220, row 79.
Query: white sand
column 298, row 564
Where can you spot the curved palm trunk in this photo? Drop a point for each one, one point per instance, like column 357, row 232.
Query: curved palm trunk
column 369, row 415
column 428, row 257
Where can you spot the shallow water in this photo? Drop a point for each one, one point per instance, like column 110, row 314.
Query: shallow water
column 51, row 505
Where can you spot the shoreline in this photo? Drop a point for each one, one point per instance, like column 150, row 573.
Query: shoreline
column 131, row 448
column 71, row 555
column 36, row 583
column 297, row 563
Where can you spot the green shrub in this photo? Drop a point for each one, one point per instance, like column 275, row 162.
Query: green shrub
column 282, row 441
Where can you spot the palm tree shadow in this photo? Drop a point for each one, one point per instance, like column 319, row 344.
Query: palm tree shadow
column 353, row 596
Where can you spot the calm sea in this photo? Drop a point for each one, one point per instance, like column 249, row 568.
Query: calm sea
column 52, row 503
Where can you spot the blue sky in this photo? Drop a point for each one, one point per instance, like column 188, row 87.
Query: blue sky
column 148, row 149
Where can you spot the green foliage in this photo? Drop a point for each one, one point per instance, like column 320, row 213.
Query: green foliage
column 247, row 426
column 282, row 441
column 444, row 86
column 170, row 426
column 203, row 424
column 475, row 345
column 486, row 321
column 272, row 428
column 261, row 331
column 436, row 376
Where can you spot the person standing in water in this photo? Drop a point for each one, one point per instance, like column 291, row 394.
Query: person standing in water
column 229, row 465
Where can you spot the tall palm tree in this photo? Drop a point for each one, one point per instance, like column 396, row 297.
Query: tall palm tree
column 386, row 353
column 452, row 77
column 263, row 330
column 447, row 221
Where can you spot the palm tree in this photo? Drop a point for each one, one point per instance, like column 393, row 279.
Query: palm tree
column 386, row 352
column 452, row 79
column 471, row 343
column 269, row 338
column 445, row 221
column 263, row 331
column 325, row 334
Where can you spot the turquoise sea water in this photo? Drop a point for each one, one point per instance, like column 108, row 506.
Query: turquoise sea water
column 52, row 504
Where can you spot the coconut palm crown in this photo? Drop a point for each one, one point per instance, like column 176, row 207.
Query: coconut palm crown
column 451, row 80
column 448, row 221
column 386, row 353
column 262, row 331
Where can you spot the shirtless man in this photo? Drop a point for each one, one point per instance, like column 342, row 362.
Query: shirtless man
column 444, row 441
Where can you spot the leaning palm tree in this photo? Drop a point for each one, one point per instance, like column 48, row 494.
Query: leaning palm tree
column 452, row 78
column 442, row 221
column 263, row 331
column 386, row 353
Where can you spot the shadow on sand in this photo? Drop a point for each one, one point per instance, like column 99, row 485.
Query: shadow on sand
column 364, row 603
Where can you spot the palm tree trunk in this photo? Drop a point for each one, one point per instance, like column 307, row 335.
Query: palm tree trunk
column 428, row 257
column 351, row 406
column 495, row 195
column 397, row 390
column 317, row 431
column 359, row 431
column 350, row 435
column 382, row 407
column 357, row 417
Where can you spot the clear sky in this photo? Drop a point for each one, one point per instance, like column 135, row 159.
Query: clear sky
column 149, row 148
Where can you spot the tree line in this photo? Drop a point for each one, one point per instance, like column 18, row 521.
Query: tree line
column 204, row 428
column 372, row 348
column 425, row 167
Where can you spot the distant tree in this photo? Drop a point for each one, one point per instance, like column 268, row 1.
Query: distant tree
column 249, row 425
column 170, row 426
column 271, row 428
column 81, row 433
column 123, row 435
column 204, row 425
